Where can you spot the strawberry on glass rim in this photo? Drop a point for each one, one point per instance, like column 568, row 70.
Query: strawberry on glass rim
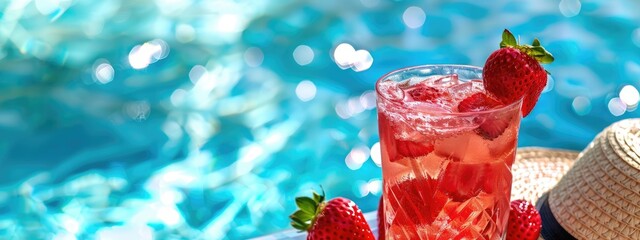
column 513, row 72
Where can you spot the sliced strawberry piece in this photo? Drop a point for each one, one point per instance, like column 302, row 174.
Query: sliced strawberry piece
column 493, row 127
column 411, row 149
column 478, row 102
column 497, row 177
column 397, row 149
column 419, row 200
column 462, row 180
column 425, row 93
column 524, row 221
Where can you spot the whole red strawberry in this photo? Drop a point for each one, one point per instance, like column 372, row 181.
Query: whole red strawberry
column 339, row 218
column 513, row 72
column 524, row 221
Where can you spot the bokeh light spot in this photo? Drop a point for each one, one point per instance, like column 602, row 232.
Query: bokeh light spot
column 342, row 111
column 376, row 154
column 306, row 90
column 357, row 157
column 355, row 106
column 303, row 55
column 414, row 17
column 374, row 186
column 343, row 55
column 150, row 52
column 185, row 33
column 629, row 95
column 103, row 72
column 253, row 57
column 616, row 107
column 581, row 105
column 570, row 8
column 198, row 72
column 178, row 96
column 368, row 100
column 363, row 60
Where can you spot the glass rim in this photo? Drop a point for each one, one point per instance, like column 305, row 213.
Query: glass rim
column 506, row 107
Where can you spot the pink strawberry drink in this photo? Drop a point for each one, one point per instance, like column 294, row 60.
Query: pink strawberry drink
column 447, row 151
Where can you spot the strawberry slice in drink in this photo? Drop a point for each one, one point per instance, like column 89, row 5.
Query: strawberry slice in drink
column 461, row 181
column 397, row 149
column 490, row 127
column 416, row 201
column 425, row 93
column 412, row 149
column 478, row 102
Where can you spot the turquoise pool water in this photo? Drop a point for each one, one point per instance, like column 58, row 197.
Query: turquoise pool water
column 192, row 119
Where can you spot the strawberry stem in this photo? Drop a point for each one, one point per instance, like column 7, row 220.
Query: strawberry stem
column 535, row 50
column 309, row 208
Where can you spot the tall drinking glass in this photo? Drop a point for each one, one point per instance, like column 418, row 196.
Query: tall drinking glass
column 446, row 165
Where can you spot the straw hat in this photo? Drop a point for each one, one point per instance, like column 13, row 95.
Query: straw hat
column 537, row 170
column 599, row 197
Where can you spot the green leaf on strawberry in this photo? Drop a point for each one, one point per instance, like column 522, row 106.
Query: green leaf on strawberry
column 338, row 218
column 318, row 197
column 536, row 42
column 508, row 39
column 306, row 204
column 308, row 207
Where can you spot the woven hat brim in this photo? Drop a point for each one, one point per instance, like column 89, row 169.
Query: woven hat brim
column 536, row 170
column 599, row 198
